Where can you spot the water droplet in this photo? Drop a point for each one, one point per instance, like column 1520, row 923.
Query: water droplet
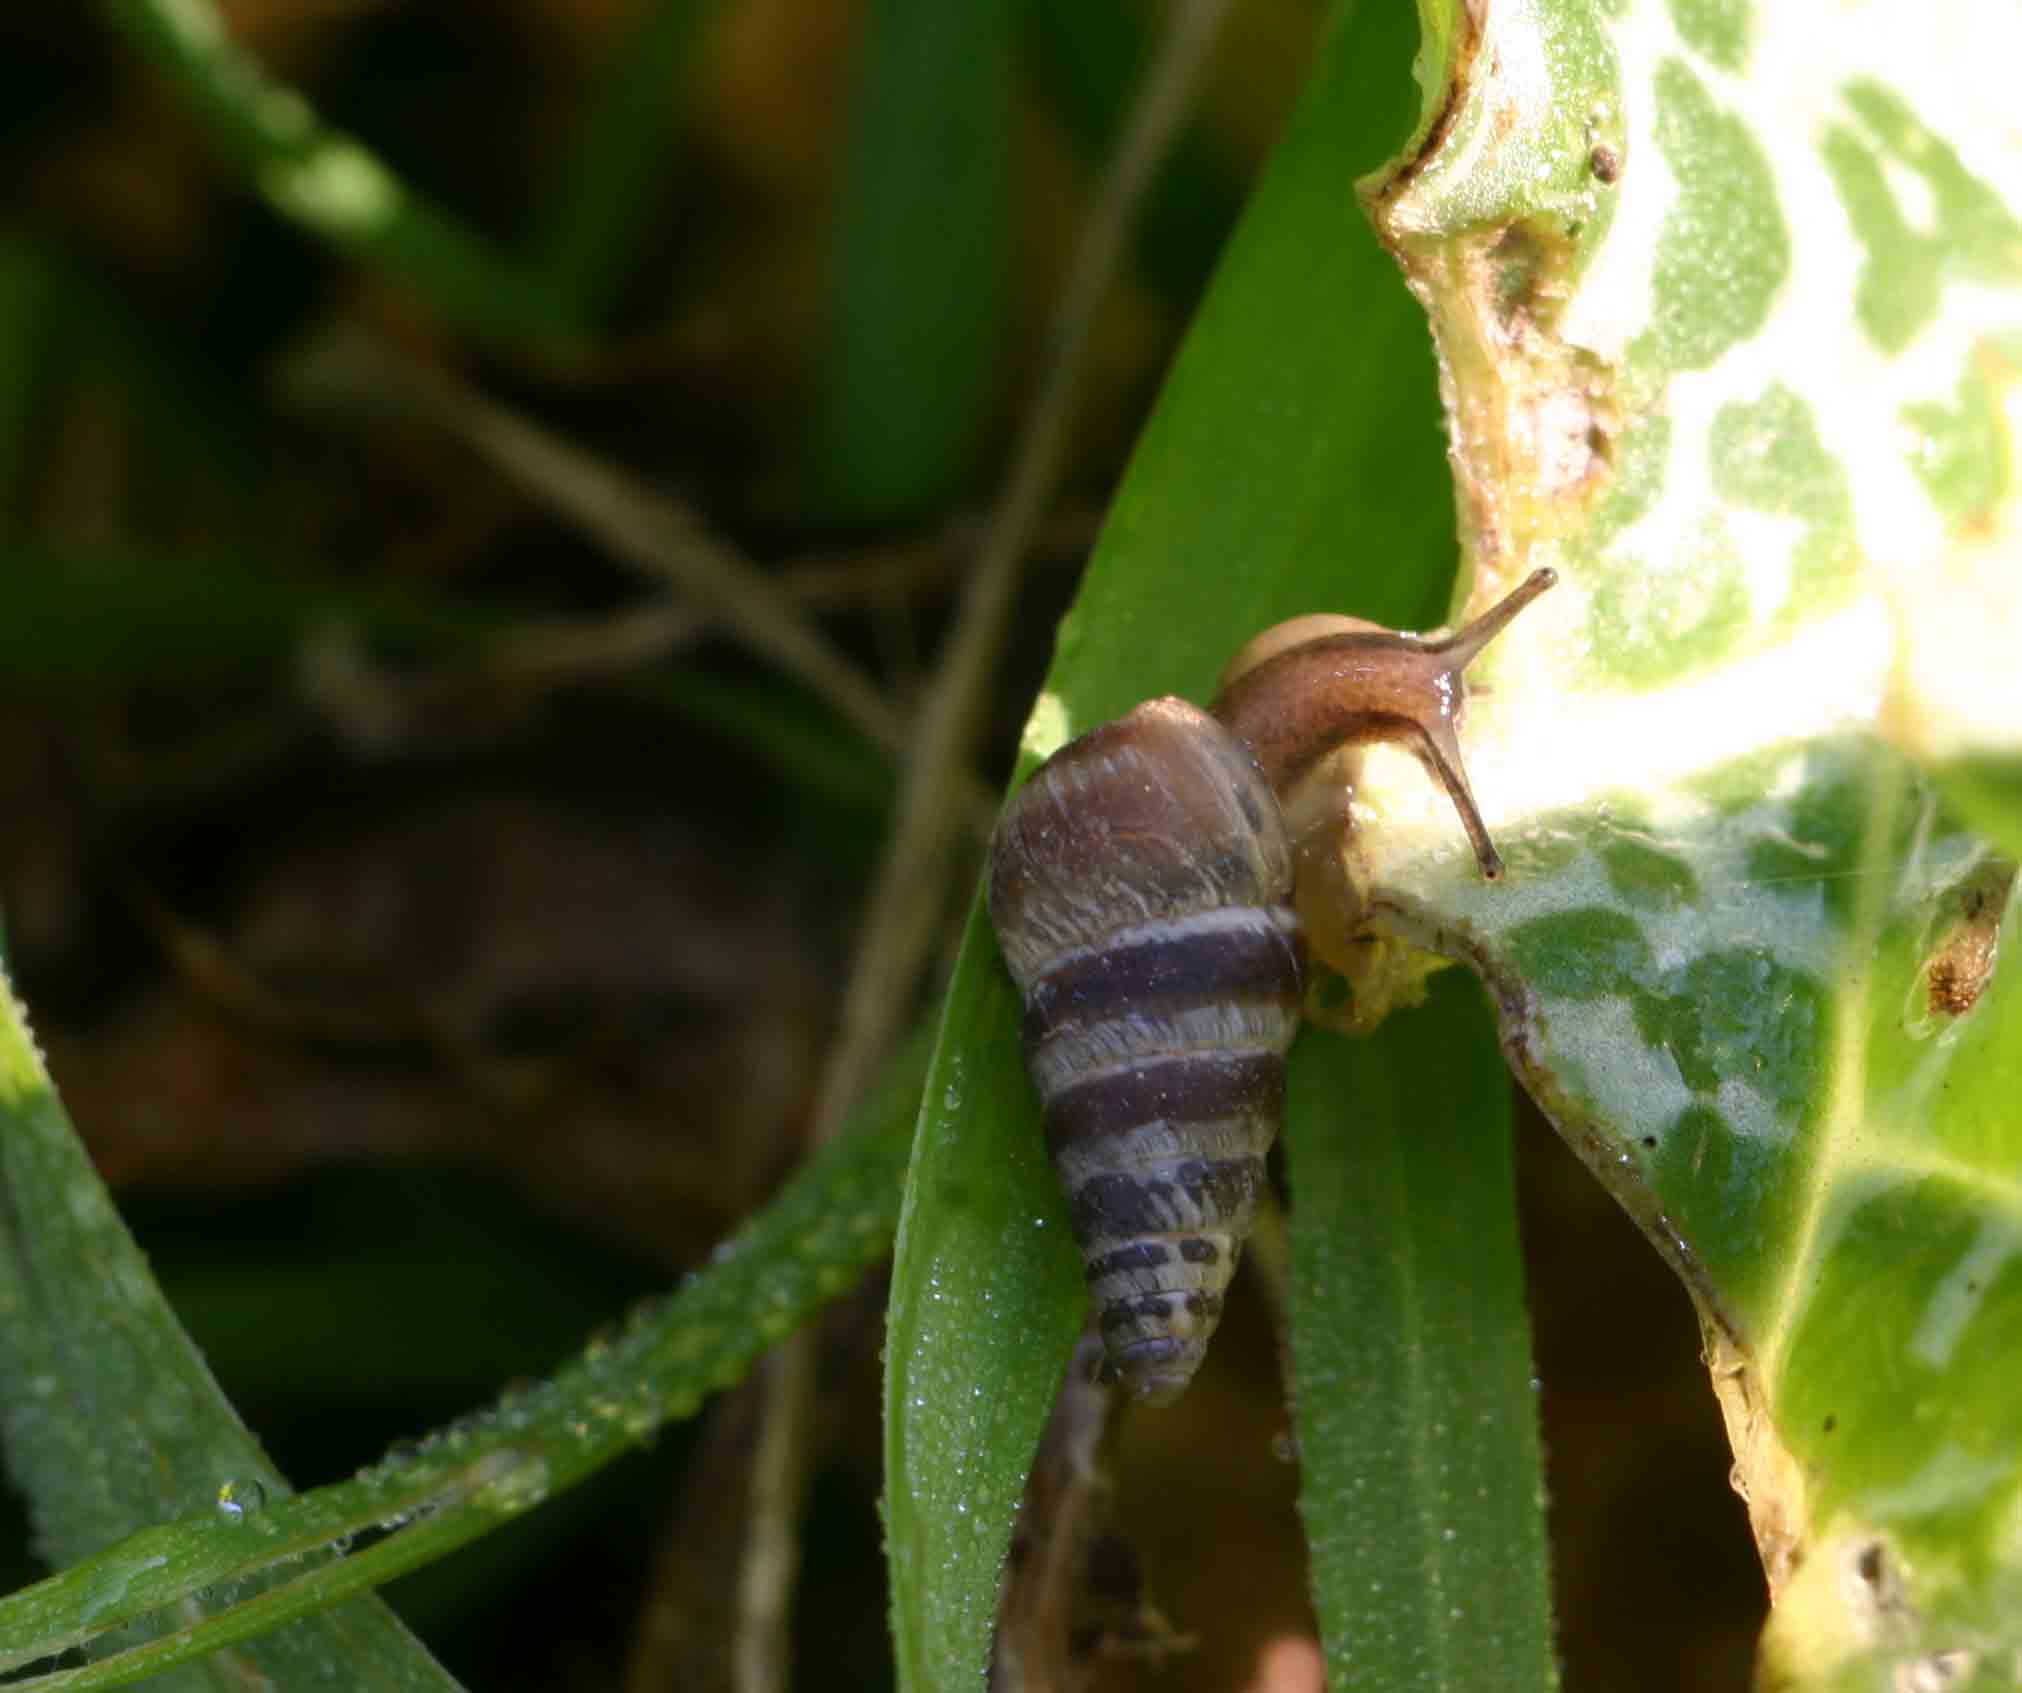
column 240, row 1498
column 511, row 1482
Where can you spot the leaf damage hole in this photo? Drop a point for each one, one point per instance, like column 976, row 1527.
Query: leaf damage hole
column 1557, row 421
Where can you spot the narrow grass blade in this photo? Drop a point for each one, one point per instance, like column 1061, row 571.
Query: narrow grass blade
column 601, row 203
column 922, row 253
column 329, row 183
column 1423, row 1487
column 986, row 1302
column 112, row 1420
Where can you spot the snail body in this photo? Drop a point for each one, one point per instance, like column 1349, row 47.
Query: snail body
column 1140, row 884
column 1141, row 888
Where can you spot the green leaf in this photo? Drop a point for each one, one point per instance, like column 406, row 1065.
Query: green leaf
column 922, row 254
column 986, row 1301
column 1418, row 1445
column 1728, row 298
column 1987, row 793
column 604, row 199
column 329, row 183
column 112, row 1421
column 1292, row 464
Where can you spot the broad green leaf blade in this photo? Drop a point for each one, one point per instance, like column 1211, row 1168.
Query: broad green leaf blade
column 1908, row 1274
column 1418, row 1437
column 112, row 1422
column 1987, row 793
column 1728, row 299
column 110, row 1417
column 922, row 251
column 1292, row 464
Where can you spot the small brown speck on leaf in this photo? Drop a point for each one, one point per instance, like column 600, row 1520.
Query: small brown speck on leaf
column 1962, row 960
column 1605, row 163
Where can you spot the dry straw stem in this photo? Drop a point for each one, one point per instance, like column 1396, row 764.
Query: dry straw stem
column 654, row 532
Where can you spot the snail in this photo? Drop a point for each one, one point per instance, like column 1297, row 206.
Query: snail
column 1141, row 888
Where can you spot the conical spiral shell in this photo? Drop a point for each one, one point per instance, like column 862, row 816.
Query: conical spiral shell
column 1141, row 890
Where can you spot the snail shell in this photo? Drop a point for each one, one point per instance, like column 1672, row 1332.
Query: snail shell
column 1141, row 887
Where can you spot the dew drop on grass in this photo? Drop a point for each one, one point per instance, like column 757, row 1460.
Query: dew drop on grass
column 517, row 1481
column 240, row 1497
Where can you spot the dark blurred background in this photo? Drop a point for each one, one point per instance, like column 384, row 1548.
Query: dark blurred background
column 435, row 928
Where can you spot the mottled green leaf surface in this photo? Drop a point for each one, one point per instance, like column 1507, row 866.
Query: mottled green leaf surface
column 1729, row 297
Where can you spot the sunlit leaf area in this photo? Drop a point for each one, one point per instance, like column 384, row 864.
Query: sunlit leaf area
column 534, row 539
